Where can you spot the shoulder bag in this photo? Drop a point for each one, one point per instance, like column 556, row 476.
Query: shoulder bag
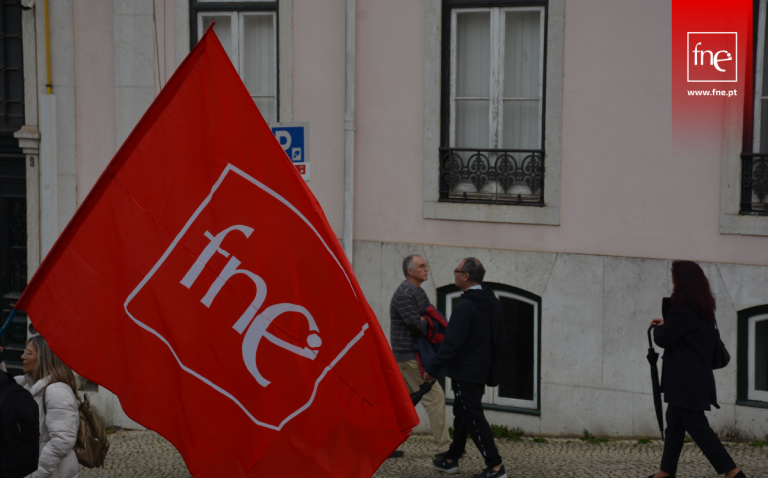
column 720, row 357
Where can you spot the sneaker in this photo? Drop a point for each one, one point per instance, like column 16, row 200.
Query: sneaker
column 440, row 456
column 443, row 465
column 489, row 473
column 397, row 454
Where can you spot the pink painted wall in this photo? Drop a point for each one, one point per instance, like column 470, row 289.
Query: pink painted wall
column 94, row 91
column 390, row 121
column 624, row 191
column 318, row 97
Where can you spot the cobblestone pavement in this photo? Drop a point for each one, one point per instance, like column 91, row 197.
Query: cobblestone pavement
column 137, row 454
column 573, row 458
column 147, row 455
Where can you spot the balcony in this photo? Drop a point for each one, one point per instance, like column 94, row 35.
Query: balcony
column 492, row 176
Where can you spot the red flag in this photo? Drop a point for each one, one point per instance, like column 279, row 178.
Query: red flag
column 201, row 283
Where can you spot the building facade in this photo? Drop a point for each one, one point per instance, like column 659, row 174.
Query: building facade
column 534, row 135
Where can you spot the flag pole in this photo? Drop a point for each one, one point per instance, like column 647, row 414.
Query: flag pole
column 7, row 322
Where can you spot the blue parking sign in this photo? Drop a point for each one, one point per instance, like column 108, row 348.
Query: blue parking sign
column 294, row 138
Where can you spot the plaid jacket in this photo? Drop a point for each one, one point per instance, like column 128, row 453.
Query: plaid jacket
column 404, row 313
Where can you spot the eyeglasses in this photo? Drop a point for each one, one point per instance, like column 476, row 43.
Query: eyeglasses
column 456, row 271
column 423, row 267
column 28, row 352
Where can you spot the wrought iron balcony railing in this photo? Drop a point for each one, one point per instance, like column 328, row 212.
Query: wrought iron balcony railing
column 502, row 176
column 754, row 184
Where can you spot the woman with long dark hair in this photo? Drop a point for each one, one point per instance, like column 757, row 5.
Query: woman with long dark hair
column 687, row 335
column 52, row 384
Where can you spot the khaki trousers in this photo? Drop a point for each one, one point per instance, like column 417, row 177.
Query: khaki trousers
column 433, row 401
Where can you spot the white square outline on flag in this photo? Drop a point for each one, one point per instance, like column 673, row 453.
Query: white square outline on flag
column 173, row 246
column 688, row 62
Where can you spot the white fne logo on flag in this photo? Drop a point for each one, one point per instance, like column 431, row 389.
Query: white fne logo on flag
column 253, row 323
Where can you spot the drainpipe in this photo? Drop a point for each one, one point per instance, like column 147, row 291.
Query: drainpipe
column 349, row 128
column 47, row 49
column 49, row 195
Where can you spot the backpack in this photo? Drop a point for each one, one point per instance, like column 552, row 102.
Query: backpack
column 91, row 445
column 19, row 430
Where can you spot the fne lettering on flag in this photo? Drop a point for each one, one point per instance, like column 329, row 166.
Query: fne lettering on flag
column 201, row 283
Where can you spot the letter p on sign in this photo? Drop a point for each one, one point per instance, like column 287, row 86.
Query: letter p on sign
column 294, row 139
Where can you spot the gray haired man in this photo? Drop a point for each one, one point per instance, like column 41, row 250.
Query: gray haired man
column 406, row 323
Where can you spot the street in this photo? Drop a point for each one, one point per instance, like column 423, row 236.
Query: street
column 145, row 454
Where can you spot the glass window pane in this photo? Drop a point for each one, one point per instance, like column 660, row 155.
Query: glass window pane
column 259, row 69
column 765, row 60
column 14, row 113
column 522, row 50
column 267, row 108
column 12, row 20
column 763, row 141
column 3, row 59
column 473, row 54
column 764, row 123
column 223, row 29
column 517, row 368
column 13, row 53
column 15, row 91
column 521, row 125
column 472, row 123
column 761, row 355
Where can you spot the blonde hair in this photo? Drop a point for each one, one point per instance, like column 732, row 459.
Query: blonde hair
column 49, row 365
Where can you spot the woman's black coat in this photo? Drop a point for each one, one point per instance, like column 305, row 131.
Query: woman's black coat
column 689, row 343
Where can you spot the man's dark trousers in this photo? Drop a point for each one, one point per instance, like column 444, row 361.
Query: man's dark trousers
column 680, row 420
column 468, row 417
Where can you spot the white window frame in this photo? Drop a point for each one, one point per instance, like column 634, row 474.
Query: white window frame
column 731, row 221
column 496, row 99
column 432, row 207
column 237, row 55
column 234, row 33
column 493, row 391
column 759, row 57
column 752, row 394
column 491, row 397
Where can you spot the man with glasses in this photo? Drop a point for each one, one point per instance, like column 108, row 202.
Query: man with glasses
column 467, row 354
column 405, row 324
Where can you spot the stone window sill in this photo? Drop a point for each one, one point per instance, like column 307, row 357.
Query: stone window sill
column 547, row 215
column 747, row 225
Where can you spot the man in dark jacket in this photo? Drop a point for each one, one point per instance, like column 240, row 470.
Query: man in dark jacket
column 467, row 355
